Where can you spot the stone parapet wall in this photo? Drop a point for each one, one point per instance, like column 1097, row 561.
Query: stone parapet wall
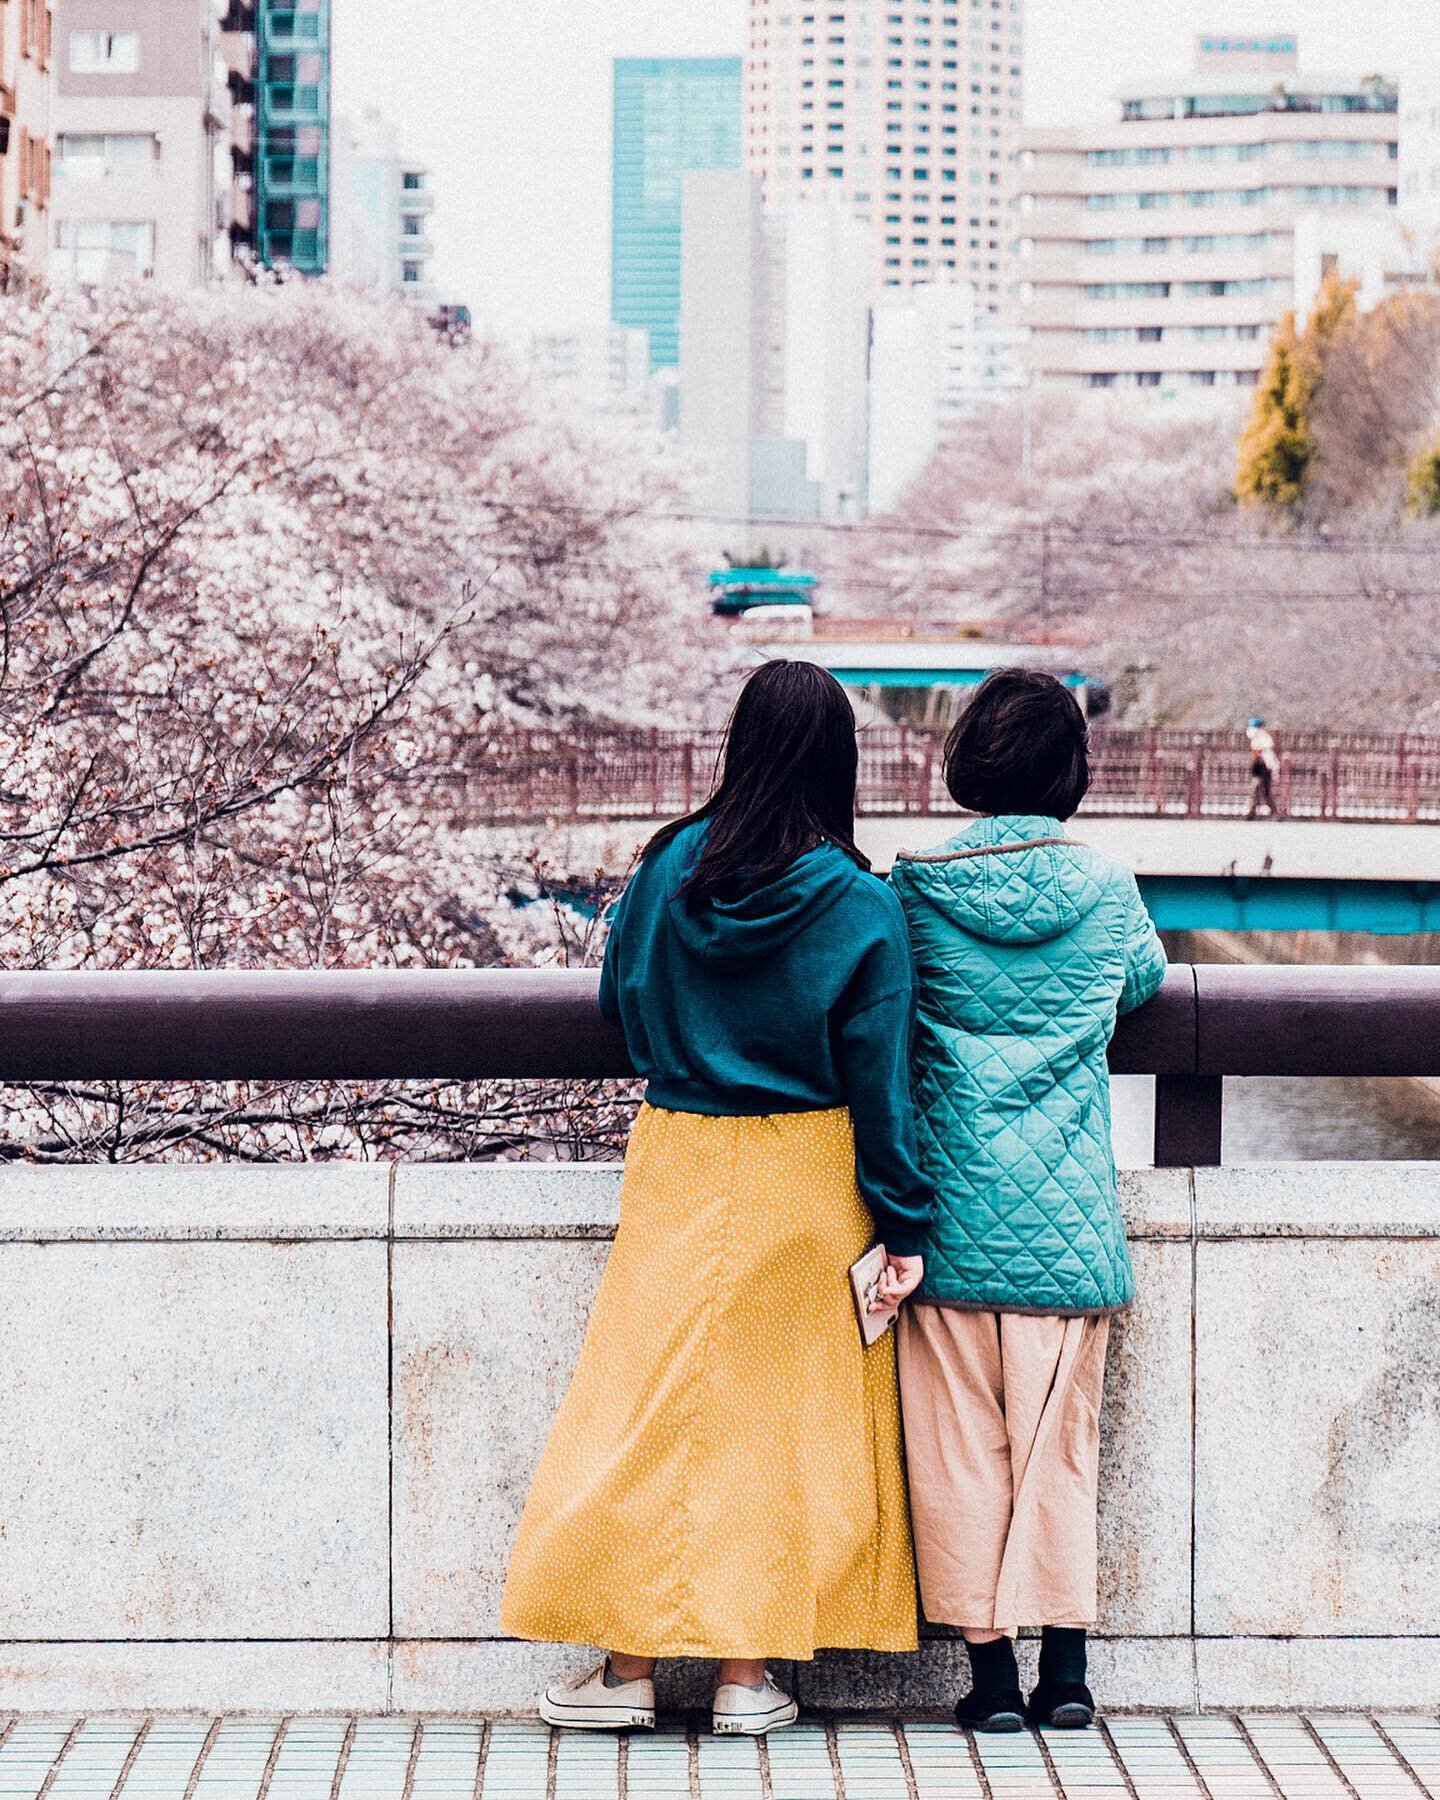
column 265, row 1434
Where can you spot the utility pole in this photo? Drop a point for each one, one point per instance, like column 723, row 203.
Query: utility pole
column 1027, row 430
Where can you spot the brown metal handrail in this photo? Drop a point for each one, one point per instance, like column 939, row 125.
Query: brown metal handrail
column 1206, row 1023
column 529, row 776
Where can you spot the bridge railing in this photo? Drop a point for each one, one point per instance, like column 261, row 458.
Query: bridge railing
column 1206, row 1023
column 526, row 776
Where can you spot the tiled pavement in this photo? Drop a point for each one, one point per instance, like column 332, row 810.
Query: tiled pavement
column 1215, row 1757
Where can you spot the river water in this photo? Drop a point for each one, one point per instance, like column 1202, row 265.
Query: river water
column 1310, row 1120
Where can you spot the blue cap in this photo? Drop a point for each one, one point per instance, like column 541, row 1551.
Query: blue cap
column 1253, row 723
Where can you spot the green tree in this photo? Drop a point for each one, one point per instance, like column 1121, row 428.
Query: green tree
column 1422, row 480
column 1278, row 445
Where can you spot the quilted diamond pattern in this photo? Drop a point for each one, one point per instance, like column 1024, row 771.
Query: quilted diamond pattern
column 1026, row 949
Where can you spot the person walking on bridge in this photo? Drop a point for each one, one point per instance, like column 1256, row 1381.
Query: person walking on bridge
column 724, row 1478
column 1264, row 767
column 1026, row 947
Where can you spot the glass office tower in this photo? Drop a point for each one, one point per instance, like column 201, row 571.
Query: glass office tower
column 671, row 115
column 292, row 131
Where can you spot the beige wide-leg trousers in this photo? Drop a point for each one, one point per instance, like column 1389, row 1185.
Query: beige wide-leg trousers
column 1002, row 1442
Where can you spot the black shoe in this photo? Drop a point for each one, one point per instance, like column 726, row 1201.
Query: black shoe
column 1063, row 1705
column 1000, row 1709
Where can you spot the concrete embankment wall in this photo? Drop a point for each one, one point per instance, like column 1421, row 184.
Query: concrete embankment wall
column 266, row 1434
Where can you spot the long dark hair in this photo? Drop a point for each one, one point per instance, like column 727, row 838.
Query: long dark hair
column 787, row 772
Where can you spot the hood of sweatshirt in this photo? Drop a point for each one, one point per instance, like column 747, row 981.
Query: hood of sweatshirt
column 1015, row 879
column 731, row 934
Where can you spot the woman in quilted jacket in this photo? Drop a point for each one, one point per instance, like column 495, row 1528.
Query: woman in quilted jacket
column 1027, row 947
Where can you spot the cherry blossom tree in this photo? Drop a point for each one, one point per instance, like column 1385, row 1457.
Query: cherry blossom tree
column 1122, row 539
column 271, row 563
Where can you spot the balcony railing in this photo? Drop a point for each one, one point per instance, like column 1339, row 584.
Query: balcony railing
column 1206, row 1023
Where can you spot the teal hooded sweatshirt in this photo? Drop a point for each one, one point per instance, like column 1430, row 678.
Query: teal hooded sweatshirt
column 1027, row 947
column 795, row 998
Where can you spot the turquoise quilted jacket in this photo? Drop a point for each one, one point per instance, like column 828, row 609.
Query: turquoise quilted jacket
column 1027, row 946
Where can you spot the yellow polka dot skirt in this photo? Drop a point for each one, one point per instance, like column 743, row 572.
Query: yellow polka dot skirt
column 724, row 1476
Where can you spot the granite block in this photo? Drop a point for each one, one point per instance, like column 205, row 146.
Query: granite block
column 1146, row 1452
column 1318, row 1437
column 486, row 1335
column 1321, row 1200
column 194, row 1441
column 506, row 1200
column 170, row 1202
column 213, row 1677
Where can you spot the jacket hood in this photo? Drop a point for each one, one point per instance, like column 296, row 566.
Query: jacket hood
column 730, row 934
column 1015, row 879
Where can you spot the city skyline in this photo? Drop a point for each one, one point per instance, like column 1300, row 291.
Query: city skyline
column 523, row 214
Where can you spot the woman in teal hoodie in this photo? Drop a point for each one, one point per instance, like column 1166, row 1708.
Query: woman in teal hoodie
column 1027, row 946
column 724, row 1478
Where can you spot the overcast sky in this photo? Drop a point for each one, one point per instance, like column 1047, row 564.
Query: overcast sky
column 509, row 102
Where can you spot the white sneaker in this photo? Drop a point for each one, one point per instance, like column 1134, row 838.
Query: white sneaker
column 752, row 1711
column 587, row 1704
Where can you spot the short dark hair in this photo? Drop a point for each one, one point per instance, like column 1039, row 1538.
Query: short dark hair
column 1020, row 746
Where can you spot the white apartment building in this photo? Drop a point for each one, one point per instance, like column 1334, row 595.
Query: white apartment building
column 381, row 205
column 604, row 368
column 773, row 343
column 143, row 151
column 26, row 80
column 1159, row 250
column 1420, row 151
column 906, row 111
column 935, row 357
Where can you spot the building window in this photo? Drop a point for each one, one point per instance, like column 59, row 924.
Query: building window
column 413, row 273
column 413, row 225
column 98, row 250
column 104, row 52
column 91, row 156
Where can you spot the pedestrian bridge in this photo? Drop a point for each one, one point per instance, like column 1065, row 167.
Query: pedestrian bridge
column 1355, row 849
column 1246, row 875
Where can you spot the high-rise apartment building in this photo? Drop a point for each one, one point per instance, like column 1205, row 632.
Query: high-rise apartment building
column 26, row 47
column 909, row 111
column 1159, row 250
column 292, row 135
column 380, row 208
column 672, row 115
column 142, row 121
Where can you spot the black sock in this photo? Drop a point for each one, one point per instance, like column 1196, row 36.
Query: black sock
column 992, row 1667
column 1062, row 1655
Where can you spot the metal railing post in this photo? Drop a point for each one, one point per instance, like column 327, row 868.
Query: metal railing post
column 687, row 776
column 1188, row 1116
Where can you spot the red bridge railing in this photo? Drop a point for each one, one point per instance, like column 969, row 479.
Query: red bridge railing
column 526, row 776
